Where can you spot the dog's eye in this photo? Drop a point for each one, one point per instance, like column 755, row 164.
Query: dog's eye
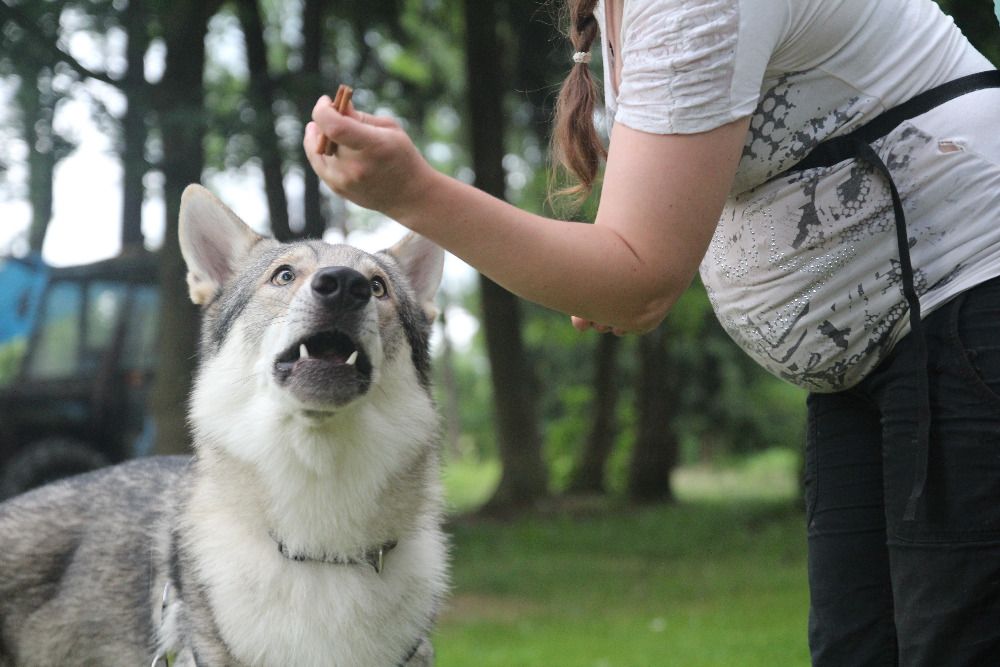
column 282, row 276
column 378, row 288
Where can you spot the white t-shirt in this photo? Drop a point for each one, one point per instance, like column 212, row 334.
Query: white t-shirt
column 803, row 269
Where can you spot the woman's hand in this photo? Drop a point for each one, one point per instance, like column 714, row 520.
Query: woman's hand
column 375, row 165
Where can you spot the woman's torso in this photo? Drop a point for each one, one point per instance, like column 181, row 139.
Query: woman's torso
column 802, row 270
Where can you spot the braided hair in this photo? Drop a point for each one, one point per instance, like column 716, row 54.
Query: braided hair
column 576, row 147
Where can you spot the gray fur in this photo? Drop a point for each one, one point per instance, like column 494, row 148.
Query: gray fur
column 85, row 562
column 79, row 564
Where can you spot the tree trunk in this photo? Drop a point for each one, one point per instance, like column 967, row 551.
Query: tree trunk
column 182, row 122
column 524, row 477
column 589, row 474
column 449, row 389
column 134, row 133
column 541, row 55
column 36, row 101
column 264, row 130
column 656, row 447
column 314, row 223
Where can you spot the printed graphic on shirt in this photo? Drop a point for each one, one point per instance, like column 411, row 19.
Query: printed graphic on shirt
column 803, row 272
column 774, row 144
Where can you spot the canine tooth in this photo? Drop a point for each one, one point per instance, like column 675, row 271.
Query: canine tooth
column 303, row 352
column 352, row 359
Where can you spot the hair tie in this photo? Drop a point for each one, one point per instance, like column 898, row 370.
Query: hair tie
column 581, row 57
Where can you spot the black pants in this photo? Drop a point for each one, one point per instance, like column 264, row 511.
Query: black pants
column 922, row 593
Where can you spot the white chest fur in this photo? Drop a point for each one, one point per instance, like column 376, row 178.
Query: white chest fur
column 366, row 477
column 274, row 611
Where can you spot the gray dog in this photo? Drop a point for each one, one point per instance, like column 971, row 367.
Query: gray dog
column 305, row 531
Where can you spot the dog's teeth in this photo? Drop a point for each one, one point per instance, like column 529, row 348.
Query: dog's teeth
column 303, row 352
column 352, row 359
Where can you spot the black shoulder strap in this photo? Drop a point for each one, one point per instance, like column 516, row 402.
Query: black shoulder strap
column 841, row 148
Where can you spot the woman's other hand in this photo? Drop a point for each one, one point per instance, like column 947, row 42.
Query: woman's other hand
column 581, row 324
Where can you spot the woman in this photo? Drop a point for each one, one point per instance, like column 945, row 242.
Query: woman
column 811, row 266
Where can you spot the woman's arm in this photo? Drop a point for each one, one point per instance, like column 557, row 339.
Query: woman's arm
column 661, row 200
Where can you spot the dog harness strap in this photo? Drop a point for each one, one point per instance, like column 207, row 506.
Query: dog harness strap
column 857, row 145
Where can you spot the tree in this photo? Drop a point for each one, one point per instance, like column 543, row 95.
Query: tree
column 180, row 104
column 450, row 392
column 29, row 51
column 524, row 478
column 135, row 21
column 33, row 45
column 589, row 476
column 36, row 98
column 262, row 95
column 313, row 16
column 656, row 446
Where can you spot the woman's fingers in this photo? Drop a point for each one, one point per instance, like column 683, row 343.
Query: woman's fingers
column 374, row 121
column 376, row 164
column 353, row 128
column 581, row 324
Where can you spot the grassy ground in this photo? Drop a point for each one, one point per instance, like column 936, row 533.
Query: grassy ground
column 718, row 579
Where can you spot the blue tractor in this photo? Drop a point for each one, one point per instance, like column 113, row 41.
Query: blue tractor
column 77, row 356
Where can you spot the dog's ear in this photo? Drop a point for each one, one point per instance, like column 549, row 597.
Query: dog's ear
column 423, row 263
column 213, row 239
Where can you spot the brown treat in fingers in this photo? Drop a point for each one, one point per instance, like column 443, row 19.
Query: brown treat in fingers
column 341, row 102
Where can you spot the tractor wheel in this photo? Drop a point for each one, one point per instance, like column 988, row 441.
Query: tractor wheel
column 45, row 461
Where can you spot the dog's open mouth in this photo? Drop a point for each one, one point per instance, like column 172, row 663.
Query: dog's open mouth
column 328, row 348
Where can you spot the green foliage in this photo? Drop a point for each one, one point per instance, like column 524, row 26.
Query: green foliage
column 401, row 56
column 565, row 433
column 469, row 484
column 728, row 405
column 475, row 408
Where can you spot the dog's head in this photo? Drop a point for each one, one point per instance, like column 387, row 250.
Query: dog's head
column 315, row 325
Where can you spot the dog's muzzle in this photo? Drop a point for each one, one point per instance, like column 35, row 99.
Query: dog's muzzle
column 329, row 364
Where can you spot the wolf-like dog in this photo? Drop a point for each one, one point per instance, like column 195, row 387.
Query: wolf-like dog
column 306, row 528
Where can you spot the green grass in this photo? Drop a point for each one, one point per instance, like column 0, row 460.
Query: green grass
column 715, row 580
column 769, row 475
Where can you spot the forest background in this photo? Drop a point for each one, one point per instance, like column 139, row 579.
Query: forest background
column 217, row 92
column 540, row 421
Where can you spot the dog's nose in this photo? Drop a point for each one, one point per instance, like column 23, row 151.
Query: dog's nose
column 342, row 287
